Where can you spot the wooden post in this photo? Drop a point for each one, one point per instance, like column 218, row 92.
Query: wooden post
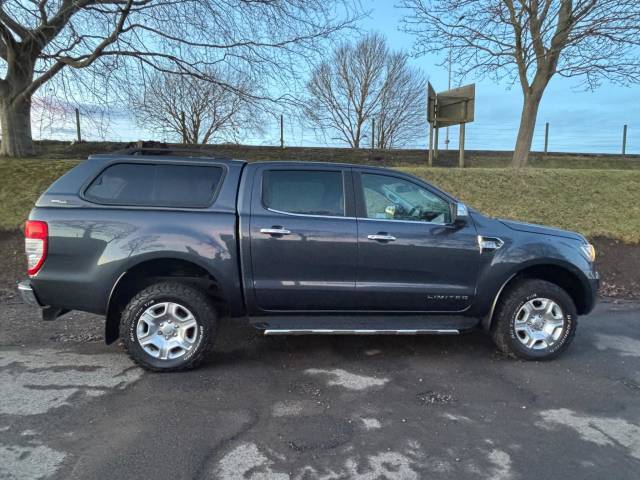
column 431, row 144
column 546, row 138
column 183, row 124
column 78, row 125
column 435, row 144
column 373, row 133
column 281, row 131
column 624, row 140
column 461, row 147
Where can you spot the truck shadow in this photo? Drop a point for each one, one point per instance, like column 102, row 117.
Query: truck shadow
column 239, row 342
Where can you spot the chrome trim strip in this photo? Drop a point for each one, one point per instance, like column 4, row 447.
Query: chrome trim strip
column 420, row 222
column 326, row 331
column 309, row 216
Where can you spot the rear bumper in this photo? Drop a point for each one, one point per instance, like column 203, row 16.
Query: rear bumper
column 28, row 294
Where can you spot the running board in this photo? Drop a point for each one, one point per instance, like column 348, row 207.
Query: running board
column 363, row 324
column 325, row 331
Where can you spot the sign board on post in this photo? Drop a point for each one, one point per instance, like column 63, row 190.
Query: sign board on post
column 456, row 106
column 431, row 103
column 453, row 107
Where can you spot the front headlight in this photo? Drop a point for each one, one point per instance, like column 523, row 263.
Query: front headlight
column 589, row 251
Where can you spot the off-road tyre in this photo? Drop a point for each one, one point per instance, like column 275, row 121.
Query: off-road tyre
column 503, row 329
column 197, row 302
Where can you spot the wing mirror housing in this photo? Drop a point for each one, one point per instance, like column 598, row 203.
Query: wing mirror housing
column 460, row 214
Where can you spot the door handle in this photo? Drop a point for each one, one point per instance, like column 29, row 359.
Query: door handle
column 275, row 231
column 381, row 237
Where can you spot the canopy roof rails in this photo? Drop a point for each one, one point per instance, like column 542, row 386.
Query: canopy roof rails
column 158, row 148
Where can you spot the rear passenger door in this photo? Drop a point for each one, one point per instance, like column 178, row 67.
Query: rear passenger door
column 303, row 238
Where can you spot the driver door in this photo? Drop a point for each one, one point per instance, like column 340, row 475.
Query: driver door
column 411, row 258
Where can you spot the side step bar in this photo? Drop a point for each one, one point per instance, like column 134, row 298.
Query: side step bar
column 363, row 324
column 325, row 331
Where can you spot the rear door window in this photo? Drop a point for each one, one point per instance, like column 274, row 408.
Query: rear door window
column 308, row 192
column 161, row 185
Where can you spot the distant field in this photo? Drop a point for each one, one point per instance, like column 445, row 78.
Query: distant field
column 593, row 202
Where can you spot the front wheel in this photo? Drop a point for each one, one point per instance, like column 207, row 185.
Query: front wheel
column 168, row 326
column 534, row 320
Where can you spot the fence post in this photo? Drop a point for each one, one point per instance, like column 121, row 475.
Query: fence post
column 373, row 133
column 546, row 138
column 78, row 125
column 183, row 125
column 461, row 147
column 281, row 130
column 624, row 140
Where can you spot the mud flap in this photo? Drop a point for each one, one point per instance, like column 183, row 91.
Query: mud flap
column 51, row 313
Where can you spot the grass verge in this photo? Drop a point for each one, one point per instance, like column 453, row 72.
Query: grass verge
column 21, row 183
column 592, row 202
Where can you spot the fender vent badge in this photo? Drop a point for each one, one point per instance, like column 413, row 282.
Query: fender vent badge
column 489, row 244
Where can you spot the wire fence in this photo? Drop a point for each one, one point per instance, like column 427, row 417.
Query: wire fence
column 599, row 137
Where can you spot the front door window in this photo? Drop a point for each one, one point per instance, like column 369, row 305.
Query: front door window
column 392, row 198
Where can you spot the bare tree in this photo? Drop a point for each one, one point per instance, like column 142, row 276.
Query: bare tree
column 401, row 116
column 95, row 48
column 193, row 110
column 363, row 81
column 530, row 41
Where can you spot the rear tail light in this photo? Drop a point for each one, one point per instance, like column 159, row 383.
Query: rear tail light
column 35, row 244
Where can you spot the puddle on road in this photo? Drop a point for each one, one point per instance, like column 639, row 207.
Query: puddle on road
column 350, row 381
column 247, row 461
column 33, row 382
column 37, row 381
column 603, row 431
column 29, row 462
column 625, row 346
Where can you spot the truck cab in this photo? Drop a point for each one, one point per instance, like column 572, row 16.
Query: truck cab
column 166, row 246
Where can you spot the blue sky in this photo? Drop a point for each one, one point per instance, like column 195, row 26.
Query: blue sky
column 580, row 121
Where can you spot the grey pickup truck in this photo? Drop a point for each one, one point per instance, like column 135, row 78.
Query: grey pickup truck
column 165, row 245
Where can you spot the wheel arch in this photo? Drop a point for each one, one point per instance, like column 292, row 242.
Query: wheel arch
column 557, row 273
column 148, row 271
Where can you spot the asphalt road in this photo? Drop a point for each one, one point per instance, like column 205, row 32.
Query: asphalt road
column 319, row 407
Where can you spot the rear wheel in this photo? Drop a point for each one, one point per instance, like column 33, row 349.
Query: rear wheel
column 168, row 326
column 534, row 320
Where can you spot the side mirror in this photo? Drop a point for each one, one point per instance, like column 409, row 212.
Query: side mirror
column 460, row 213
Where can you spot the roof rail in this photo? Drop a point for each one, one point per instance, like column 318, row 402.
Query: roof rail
column 158, row 148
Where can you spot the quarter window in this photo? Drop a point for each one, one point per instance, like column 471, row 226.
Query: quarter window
column 392, row 198
column 309, row 192
column 159, row 185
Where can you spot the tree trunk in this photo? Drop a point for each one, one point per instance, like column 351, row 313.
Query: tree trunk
column 15, row 121
column 527, row 126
